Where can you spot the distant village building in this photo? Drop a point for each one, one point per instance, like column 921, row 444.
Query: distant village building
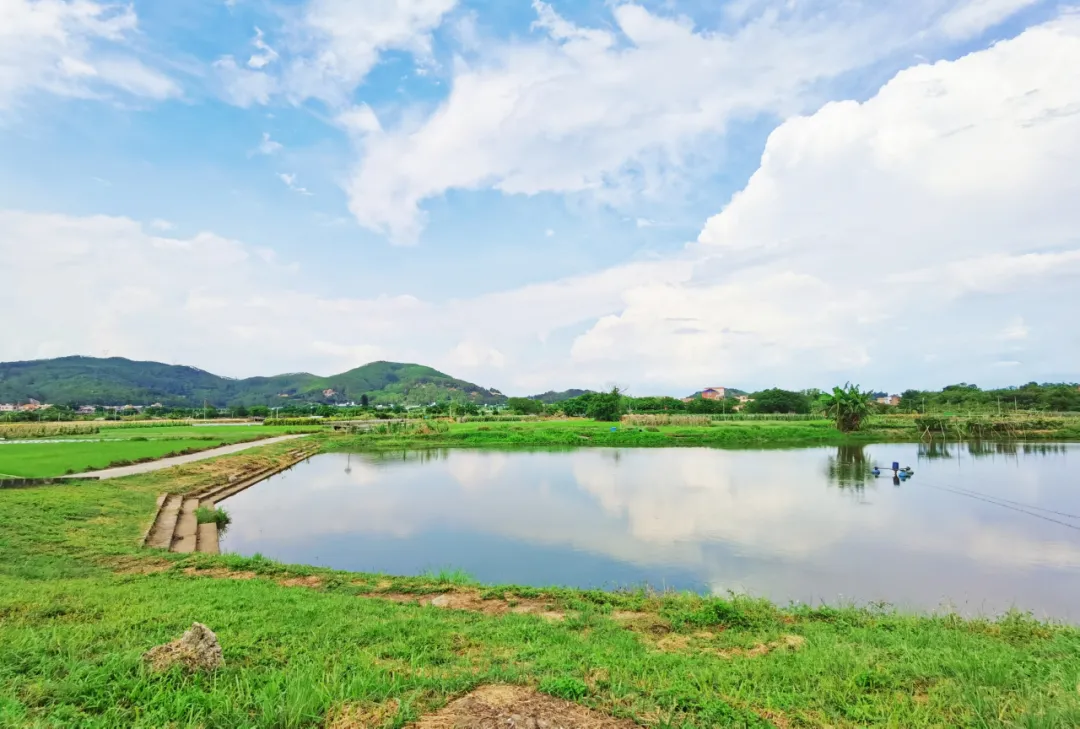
column 86, row 410
column 7, row 408
column 893, row 400
column 328, row 393
column 714, row 393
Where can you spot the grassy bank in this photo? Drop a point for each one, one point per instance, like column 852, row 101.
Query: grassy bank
column 577, row 433
column 110, row 447
column 80, row 602
column 718, row 433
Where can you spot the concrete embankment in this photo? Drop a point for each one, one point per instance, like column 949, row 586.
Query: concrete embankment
column 176, row 527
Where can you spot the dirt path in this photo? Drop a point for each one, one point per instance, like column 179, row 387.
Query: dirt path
column 179, row 460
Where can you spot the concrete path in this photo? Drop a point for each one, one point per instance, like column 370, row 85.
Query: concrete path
column 180, row 460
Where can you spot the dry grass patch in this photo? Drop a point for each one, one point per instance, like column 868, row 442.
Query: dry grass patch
column 775, row 718
column 220, row 573
column 784, row 643
column 641, row 622
column 310, row 581
column 703, row 642
column 471, row 601
column 137, row 565
column 363, row 715
column 516, row 707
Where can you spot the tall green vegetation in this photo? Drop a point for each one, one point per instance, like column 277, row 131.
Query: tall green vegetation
column 848, row 406
column 525, row 406
column 606, row 406
column 965, row 399
column 779, row 401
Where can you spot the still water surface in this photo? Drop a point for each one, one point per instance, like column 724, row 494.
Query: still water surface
column 979, row 529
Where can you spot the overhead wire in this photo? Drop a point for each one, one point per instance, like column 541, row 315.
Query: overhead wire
column 1000, row 502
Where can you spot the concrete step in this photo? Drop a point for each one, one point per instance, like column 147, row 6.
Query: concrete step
column 243, row 476
column 185, row 538
column 231, row 489
column 211, row 494
column 208, row 538
column 161, row 534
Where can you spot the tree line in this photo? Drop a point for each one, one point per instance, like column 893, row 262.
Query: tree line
column 1060, row 397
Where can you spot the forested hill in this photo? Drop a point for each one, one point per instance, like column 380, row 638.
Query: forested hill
column 551, row 397
column 119, row 381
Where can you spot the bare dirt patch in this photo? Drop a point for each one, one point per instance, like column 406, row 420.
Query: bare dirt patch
column 137, row 565
column 220, row 573
column 470, row 600
column 362, row 715
column 515, row 707
column 310, row 581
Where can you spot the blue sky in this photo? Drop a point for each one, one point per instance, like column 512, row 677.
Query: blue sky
column 536, row 195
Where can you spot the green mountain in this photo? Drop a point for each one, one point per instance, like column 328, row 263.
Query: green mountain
column 119, row 381
column 730, row 392
column 551, row 397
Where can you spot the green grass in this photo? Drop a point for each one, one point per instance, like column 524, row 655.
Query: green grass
column 577, row 433
column 206, row 514
column 224, row 433
column 76, row 615
column 46, row 460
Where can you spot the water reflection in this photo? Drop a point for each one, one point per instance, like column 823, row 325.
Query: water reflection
column 937, row 450
column 850, row 467
column 777, row 523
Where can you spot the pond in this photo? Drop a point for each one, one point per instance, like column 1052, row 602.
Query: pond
column 977, row 528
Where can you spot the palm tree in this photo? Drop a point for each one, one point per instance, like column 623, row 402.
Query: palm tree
column 848, row 406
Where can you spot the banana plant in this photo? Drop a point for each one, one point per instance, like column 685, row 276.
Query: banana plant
column 848, row 406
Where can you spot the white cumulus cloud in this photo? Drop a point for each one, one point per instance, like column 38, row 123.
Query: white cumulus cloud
column 879, row 231
column 623, row 110
column 73, row 48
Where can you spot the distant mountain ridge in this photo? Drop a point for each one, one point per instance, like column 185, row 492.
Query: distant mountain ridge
column 118, row 381
column 551, row 397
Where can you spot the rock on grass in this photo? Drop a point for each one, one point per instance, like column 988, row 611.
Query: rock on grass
column 197, row 650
